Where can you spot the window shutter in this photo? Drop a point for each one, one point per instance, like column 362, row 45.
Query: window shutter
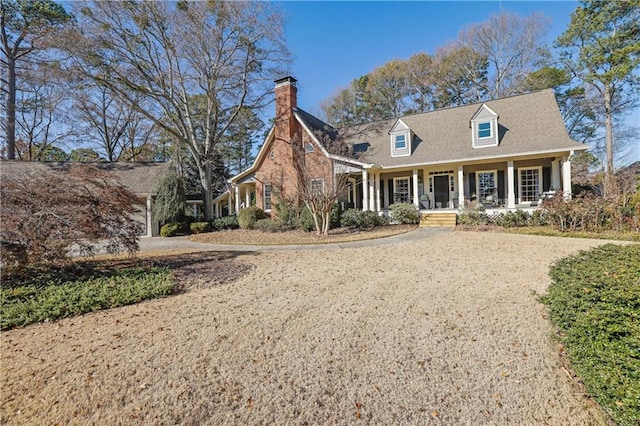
column 472, row 184
column 501, row 184
column 546, row 178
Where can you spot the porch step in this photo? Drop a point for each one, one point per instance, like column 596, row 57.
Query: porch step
column 438, row 219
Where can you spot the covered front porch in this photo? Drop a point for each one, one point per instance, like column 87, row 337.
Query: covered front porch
column 499, row 186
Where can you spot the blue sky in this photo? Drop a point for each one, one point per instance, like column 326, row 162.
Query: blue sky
column 333, row 42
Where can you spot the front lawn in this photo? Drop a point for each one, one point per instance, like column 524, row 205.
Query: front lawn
column 595, row 302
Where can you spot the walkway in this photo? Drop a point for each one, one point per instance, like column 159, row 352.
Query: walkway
column 173, row 243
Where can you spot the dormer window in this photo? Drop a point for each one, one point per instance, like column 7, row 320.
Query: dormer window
column 484, row 128
column 400, row 139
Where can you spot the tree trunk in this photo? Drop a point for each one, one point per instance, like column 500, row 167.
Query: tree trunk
column 205, row 178
column 11, row 110
column 609, row 141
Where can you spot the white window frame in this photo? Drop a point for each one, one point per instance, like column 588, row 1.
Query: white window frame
column 490, row 123
column 520, row 192
column 482, row 197
column 265, row 198
column 401, row 152
column 308, row 147
column 395, row 188
column 315, row 181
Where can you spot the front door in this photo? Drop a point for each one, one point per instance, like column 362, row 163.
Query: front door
column 441, row 191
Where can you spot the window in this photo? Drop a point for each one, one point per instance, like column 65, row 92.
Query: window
column 401, row 141
column 308, row 147
column 486, row 186
column 530, row 184
column 317, row 186
column 267, row 196
column 452, row 183
column 401, row 190
column 271, row 154
column 484, row 130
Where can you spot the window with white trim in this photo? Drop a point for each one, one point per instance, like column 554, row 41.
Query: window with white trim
column 401, row 190
column 317, row 186
column 486, row 186
column 530, row 184
column 484, row 130
column 266, row 200
column 308, row 147
column 401, row 141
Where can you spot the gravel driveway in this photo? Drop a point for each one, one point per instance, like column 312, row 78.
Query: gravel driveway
column 444, row 329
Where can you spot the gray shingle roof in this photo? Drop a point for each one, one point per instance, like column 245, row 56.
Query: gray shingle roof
column 529, row 123
column 140, row 178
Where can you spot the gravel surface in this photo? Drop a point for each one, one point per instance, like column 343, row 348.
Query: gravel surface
column 441, row 330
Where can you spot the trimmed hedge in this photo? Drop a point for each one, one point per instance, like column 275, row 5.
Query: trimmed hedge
column 595, row 301
column 362, row 219
column 404, row 213
column 171, row 229
column 248, row 217
column 200, row 227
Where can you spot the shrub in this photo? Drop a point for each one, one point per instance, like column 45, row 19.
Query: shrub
column 225, row 222
column 472, row 213
column 171, row 202
column 510, row 219
column 595, row 301
column 306, row 221
column 271, row 225
column 44, row 213
column 247, row 217
column 199, row 227
column 362, row 219
column 287, row 213
column 171, row 229
column 404, row 213
column 336, row 214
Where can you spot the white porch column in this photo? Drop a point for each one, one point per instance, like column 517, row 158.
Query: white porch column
column 216, row 208
column 365, row 190
column 511, row 193
column 555, row 174
column 372, row 192
column 229, row 207
column 354, row 192
column 416, row 197
column 149, row 218
column 247, row 196
column 566, row 178
column 378, row 207
column 460, row 186
column 236, row 191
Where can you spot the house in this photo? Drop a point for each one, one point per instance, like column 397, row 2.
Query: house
column 140, row 178
column 506, row 153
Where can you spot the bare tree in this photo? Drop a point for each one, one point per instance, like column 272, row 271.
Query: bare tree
column 221, row 57
column 112, row 126
column 512, row 44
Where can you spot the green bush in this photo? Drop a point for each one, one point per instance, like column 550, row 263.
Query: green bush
column 595, row 301
column 172, row 229
column 225, row 222
column 336, row 215
column 472, row 213
column 287, row 213
column 29, row 303
column 271, row 225
column 200, row 227
column 359, row 219
column 404, row 213
column 247, row 217
column 510, row 219
column 305, row 220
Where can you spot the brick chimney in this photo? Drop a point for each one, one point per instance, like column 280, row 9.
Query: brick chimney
column 286, row 99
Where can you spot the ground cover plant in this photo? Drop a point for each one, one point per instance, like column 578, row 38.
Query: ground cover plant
column 595, row 302
column 23, row 303
column 47, row 294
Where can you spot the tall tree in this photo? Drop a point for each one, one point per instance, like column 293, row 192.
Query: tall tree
column 513, row 45
column 601, row 47
column 26, row 26
column 389, row 89
column 242, row 137
column 460, row 74
column 168, row 54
